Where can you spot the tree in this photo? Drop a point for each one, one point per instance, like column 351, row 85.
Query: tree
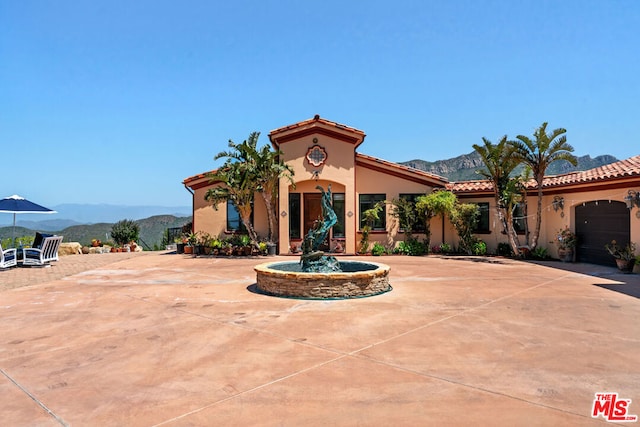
column 369, row 217
column 538, row 154
column 464, row 218
column 500, row 163
column 269, row 168
column 246, row 171
column 405, row 212
column 239, row 185
column 125, row 231
column 435, row 203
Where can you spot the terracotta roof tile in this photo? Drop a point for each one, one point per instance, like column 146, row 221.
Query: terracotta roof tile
column 622, row 169
column 404, row 168
column 316, row 119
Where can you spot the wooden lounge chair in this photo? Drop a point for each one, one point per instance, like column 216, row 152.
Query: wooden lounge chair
column 44, row 255
column 8, row 257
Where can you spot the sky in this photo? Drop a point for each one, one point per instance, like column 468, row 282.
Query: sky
column 118, row 102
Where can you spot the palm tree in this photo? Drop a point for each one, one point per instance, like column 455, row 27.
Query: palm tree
column 499, row 164
column 237, row 176
column 269, row 168
column 246, row 171
column 538, row 154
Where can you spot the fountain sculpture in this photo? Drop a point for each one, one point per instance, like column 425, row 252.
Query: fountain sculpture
column 321, row 276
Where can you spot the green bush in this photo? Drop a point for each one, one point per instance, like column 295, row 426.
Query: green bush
column 125, row 231
column 377, row 249
column 411, row 247
column 540, row 253
column 504, row 249
column 479, row 248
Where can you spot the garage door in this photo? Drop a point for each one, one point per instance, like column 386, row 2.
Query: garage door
column 597, row 223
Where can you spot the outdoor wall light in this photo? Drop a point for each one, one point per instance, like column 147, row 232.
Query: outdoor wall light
column 558, row 203
column 316, row 175
column 632, row 198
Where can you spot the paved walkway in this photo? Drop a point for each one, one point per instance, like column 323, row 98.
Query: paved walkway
column 165, row 339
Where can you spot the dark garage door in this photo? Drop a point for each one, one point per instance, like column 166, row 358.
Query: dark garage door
column 597, row 223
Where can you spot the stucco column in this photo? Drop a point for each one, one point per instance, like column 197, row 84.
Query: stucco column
column 283, row 221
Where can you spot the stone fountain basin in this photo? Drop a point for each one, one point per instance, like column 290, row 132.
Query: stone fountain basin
column 357, row 279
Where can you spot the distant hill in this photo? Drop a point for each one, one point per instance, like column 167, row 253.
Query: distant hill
column 151, row 230
column 463, row 168
column 69, row 214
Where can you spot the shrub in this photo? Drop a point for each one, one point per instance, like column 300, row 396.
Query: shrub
column 377, row 249
column 411, row 247
column 479, row 248
column 540, row 253
column 504, row 249
column 125, row 231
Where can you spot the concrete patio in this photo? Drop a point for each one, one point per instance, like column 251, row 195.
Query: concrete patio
column 165, row 339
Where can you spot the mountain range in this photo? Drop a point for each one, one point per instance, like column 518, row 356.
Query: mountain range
column 152, row 231
column 70, row 214
column 465, row 167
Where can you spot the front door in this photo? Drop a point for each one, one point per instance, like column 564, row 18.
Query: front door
column 312, row 211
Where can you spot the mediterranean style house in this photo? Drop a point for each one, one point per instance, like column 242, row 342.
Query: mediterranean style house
column 599, row 205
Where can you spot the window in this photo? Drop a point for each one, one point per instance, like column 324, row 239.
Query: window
column 294, row 215
column 483, row 219
column 519, row 218
column 419, row 226
column 234, row 222
column 368, row 201
column 338, row 208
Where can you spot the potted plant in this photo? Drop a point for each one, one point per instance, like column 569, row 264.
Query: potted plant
column 245, row 244
column 566, row 241
column 204, row 243
column 125, row 231
column 180, row 243
column 192, row 240
column 215, row 245
column 625, row 256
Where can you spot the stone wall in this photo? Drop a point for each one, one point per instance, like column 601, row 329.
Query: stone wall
column 322, row 285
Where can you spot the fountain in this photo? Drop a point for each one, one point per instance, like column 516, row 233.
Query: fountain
column 321, row 276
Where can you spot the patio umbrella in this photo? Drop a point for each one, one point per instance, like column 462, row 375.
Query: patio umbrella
column 16, row 204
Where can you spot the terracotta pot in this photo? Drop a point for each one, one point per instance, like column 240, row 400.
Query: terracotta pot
column 188, row 249
column 565, row 255
column 625, row 265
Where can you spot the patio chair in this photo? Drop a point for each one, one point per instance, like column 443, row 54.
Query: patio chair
column 44, row 255
column 8, row 257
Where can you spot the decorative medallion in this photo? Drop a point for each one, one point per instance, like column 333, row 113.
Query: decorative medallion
column 316, row 155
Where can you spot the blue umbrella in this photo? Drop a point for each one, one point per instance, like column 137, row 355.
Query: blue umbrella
column 16, row 204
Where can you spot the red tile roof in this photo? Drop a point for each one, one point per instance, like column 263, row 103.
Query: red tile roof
column 618, row 170
column 403, row 168
column 316, row 119
column 611, row 172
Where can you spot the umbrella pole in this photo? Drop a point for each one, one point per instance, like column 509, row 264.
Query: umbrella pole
column 14, row 229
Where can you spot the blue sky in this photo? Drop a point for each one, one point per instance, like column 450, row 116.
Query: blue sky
column 118, row 101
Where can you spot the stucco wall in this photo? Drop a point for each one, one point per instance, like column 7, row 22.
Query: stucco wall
column 369, row 181
column 207, row 219
column 337, row 170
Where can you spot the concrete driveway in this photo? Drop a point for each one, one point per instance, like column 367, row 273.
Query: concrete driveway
column 165, row 339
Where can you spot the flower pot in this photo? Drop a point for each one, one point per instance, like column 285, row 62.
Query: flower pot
column 625, row 265
column 188, row 249
column 271, row 249
column 180, row 248
column 565, row 255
